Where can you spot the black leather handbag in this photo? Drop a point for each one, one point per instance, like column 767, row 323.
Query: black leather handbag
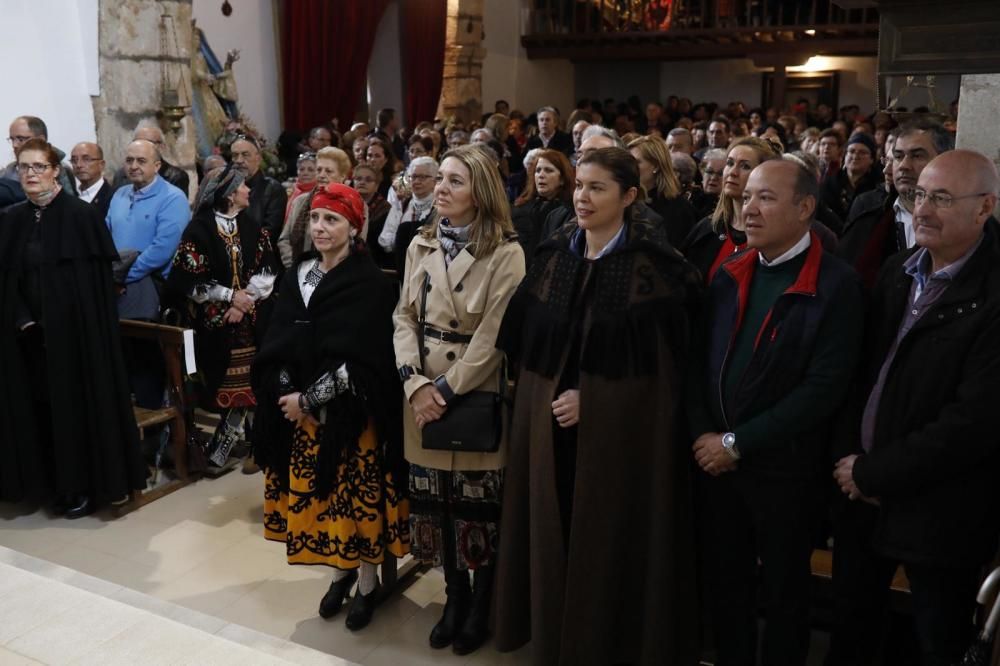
column 473, row 422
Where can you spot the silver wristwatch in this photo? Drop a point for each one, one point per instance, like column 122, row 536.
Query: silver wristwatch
column 729, row 444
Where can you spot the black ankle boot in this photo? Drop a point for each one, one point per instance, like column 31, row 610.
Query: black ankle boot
column 475, row 629
column 362, row 608
column 334, row 598
column 81, row 506
column 459, row 593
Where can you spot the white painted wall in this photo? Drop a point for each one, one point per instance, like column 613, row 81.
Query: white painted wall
column 250, row 29
column 52, row 83
column 507, row 72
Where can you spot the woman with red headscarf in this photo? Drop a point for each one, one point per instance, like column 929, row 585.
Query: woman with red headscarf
column 329, row 424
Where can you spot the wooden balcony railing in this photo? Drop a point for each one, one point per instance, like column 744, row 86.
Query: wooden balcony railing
column 553, row 26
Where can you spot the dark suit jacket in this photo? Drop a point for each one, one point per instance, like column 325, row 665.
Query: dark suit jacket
column 268, row 201
column 935, row 457
column 561, row 141
column 102, row 201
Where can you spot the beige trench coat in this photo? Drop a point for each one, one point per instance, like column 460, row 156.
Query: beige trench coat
column 468, row 297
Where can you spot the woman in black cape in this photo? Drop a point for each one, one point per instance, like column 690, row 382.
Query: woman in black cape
column 66, row 420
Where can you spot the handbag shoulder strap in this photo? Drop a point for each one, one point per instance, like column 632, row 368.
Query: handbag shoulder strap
column 422, row 320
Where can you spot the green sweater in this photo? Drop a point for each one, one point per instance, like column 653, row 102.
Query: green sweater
column 769, row 283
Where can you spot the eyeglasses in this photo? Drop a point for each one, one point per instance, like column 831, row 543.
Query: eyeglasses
column 18, row 140
column 420, row 176
column 941, row 200
column 711, row 173
column 36, row 168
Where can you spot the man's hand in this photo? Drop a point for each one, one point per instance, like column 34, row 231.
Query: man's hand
column 242, row 301
column 843, row 473
column 711, row 455
column 428, row 404
column 566, row 408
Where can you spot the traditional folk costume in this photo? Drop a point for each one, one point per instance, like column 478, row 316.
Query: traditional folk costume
column 596, row 561
column 66, row 420
column 220, row 254
column 335, row 485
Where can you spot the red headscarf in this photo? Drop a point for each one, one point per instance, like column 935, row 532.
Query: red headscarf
column 341, row 199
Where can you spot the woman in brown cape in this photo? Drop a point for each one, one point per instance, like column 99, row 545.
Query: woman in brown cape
column 596, row 562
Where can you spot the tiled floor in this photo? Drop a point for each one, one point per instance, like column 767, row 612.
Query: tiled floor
column 201, row 548
column 50, row 614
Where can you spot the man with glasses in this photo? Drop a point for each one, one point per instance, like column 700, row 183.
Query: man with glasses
column 918, row 460
column 174, row 175
column 87, row 160
column 881, row 224
column 32, row 127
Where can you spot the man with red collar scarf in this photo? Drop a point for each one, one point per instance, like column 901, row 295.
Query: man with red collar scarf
column 782, row 333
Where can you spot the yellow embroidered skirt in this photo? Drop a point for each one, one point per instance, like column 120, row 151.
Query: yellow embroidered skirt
column 362, row 518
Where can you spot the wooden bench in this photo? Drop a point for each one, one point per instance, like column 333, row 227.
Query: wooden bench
column 822, row 567
column 171, row 342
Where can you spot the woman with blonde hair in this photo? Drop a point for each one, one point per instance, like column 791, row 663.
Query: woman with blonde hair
column 663, row 188
column 460, row 272
column 720, row 235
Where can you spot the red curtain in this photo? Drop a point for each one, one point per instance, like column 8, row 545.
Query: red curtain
column 422, row 31
column 326, row 47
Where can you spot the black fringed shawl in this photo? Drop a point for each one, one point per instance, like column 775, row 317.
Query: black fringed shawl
column 348, row 320
column 634, row 297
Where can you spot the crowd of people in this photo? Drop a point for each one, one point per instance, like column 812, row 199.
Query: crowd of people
column 618, row 376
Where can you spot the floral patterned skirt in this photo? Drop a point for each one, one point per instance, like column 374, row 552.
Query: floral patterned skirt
column 455, row 516
column 362, row 518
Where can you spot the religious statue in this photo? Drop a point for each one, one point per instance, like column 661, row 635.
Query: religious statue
column 213, row 93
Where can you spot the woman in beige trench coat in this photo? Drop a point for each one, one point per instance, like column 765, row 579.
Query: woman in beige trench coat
column 473, row 264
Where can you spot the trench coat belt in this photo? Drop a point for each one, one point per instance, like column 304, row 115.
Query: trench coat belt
column 446, row 336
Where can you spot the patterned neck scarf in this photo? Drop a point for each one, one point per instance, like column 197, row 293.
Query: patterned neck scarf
column 453, row 239
column 43, row 199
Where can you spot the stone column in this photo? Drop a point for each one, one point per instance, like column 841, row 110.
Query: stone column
column 978, row 110
column 132, row 64
column 462, row 84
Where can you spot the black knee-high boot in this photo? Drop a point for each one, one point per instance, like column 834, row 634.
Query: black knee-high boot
column 475, row 629
column 459, row 593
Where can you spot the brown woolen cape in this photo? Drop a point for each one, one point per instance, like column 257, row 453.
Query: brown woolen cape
column 624, row 591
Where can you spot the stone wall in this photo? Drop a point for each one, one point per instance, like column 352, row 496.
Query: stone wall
column 978, row 111
column 131, row 65
column 462, row 85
